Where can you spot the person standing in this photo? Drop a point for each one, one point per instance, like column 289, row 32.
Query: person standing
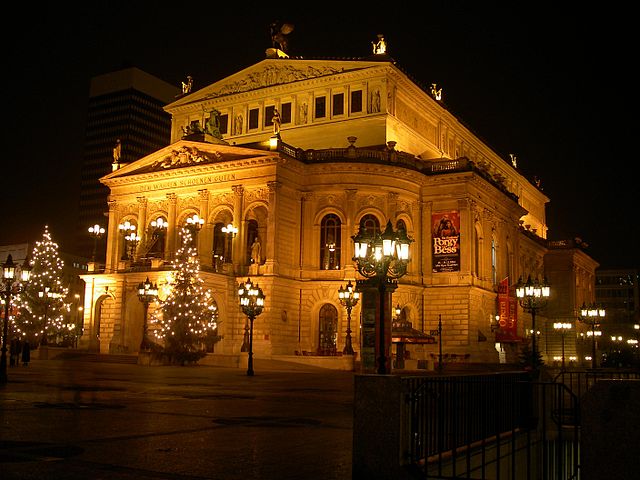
column 26, row 353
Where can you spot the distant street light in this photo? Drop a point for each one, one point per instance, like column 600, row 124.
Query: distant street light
column 591, row 315
column 131, row 239
column 348, row 298
column 562, row 328
column 533, row 296
column 10, row 287
column 251, row 303
column 96, row 232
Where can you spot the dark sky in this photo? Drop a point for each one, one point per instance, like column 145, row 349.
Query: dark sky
column 546, row 82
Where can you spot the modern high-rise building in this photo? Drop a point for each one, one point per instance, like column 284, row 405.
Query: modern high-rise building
column 125, row 106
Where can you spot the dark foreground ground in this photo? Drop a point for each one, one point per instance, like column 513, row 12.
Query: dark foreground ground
column 63, row 419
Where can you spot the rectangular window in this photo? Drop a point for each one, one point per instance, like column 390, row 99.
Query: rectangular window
column 268, row 115
column 356, row 101
column 253, row 118
column 338, row 104
column 224, row 124
column 285, row 113
column 321, row 107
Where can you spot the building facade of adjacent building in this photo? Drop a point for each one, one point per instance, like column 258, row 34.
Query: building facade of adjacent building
column 125, row 106
column 299, row 155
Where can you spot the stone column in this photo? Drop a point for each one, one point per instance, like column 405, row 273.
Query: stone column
column 350, row 228
column 113, row 238
column 271, row 247
column 142, row 226
column 237, row 248
column 172, row 231
column 205, row 236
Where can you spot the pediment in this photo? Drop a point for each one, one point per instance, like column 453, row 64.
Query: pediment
column 182, row 155
column 272, row 72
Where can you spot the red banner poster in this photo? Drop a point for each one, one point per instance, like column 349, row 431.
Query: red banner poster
column 508, row 311
column 446, row 241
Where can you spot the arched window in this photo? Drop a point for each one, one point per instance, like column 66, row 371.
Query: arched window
column 328, row 330
column 330, row 242
column 369, row 224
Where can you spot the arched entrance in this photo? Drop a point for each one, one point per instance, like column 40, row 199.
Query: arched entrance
column 328, row 330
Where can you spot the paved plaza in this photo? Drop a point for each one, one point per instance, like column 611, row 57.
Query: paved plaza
column 70, row 419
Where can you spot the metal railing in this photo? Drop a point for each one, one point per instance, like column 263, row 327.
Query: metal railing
column 501, row 425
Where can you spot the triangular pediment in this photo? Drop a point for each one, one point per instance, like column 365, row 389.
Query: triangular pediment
column 183, row 155
column 270, row 72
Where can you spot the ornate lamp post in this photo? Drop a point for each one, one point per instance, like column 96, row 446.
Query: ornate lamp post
column 382, row 259
column 562, row 328
column 592, row 315
column 533, row 296
column 131, row 239
column 348, row 298
column 251, row 303
column 96, row 232
column 10, row 287
column 147, row 293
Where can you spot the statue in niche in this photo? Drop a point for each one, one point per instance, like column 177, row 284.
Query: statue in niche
column 375, row 101
column 276, row 121
column 256, row 252
column 238, row 122
column 213, row 124
column 303, row 113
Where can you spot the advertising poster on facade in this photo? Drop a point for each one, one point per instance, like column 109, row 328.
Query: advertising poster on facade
column 446, row 241
column 507, row 309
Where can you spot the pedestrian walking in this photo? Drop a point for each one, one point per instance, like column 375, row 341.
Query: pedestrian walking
column 13, row 352
column 26, row 353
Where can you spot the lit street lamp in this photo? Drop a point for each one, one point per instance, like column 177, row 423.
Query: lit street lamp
column 591, row 315
column 348, row 298
column 96, row 232
column 382, row 258
column 46, row 294
column 251, row 303
column 147, row 293
column 131, row 239
column 11, row 287
column 562, row 328
column 533, row 296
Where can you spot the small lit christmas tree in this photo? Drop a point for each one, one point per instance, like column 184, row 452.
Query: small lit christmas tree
column 43, row 305
column 188, row 316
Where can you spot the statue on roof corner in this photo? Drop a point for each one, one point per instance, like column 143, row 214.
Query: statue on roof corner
column 279, row 33
column 186, row 86
column 379, row 47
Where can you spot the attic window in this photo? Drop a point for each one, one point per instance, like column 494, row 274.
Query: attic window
column 253, row 118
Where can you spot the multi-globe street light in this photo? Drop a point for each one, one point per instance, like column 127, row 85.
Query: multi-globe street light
column 348, row 297
column 147, row 293
column 251, row 303
column 96, row 232
column 562, row 327
column 592, row 315
column 11, row 287
column 381, row 258
column 533, row 295
column 131, row 239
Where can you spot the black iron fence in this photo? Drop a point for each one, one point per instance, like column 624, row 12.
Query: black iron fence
column 495, row 426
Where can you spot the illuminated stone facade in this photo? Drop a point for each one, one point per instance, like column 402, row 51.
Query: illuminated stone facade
column 359, row 141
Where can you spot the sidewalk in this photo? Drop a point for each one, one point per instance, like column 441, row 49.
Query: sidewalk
column 65, row 419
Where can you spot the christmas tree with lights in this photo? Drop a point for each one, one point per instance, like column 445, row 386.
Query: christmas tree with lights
column 43, row 305
column 188, row 316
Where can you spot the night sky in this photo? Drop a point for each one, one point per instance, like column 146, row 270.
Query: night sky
column 547, row 83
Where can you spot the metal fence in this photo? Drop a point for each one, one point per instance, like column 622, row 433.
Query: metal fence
column 496, row 426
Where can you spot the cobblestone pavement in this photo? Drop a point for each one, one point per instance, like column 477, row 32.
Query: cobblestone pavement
column 63, row 419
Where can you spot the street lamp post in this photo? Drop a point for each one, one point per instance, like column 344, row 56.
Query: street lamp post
column 591, row 315
column 131, row 239
column 348, row 298
column 562, row 328
column 251, row 303
column 11, row 287
column 382, row 258
column 96, row 232
column 147, row 293
column 533, row 296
